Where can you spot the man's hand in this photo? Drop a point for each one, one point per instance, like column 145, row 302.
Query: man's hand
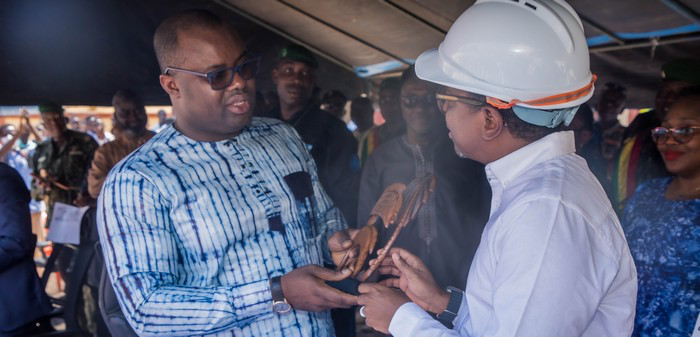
column 341, row 243
column 305, row 289
column 380, row 303
column 414, row 279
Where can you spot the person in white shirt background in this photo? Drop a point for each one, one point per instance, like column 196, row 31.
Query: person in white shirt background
column 553, row 260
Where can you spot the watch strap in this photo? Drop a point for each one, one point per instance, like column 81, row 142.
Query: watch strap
column 453, row 305
column 276, row 289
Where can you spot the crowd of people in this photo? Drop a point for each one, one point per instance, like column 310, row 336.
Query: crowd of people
column 232, row 218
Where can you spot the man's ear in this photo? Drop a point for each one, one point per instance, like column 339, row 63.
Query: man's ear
column 493, row 122
column 274, row 76
column 586, row 136
column 170, row 85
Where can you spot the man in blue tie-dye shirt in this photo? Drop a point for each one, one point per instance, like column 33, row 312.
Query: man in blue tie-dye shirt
column 218, row 225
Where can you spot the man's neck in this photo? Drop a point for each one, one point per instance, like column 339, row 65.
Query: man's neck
column 130, row 135
column 418, row 139
column 205, row 136
column 503, row 146
column 395, row 127
column 287, row 111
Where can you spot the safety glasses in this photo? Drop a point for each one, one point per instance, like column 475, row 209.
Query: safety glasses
column 681, row 135
column 445, row 101
column 221, row 78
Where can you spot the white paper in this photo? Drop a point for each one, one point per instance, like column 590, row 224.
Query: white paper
column 65, row 223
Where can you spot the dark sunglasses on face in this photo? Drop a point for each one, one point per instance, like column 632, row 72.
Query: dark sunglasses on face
column 681, row 135
column 220, row 79
column 413, row 101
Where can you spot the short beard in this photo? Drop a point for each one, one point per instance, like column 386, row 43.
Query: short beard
column 131, row 132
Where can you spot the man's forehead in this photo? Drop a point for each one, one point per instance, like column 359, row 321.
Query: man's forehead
column 206, row 43
column 295, row 64
column 51, row 113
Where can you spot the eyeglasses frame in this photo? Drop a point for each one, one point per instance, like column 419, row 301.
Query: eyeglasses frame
column 671, row 132
column 236, row 70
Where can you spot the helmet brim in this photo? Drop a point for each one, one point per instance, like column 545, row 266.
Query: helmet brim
column 428, row 68
column 431, row 67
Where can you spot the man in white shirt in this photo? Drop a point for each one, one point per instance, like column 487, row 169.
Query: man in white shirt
column 553, row 260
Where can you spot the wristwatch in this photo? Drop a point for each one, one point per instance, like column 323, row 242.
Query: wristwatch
column 279, row 303
column 453, row 305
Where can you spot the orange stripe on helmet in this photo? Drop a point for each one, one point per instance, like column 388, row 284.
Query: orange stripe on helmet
column 546, row 101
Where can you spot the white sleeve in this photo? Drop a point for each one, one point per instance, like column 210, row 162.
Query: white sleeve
column 551, row 270
column 411, row 320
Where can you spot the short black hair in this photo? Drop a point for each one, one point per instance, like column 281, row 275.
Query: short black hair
column 615, row 87
column 165, row 39
column 687, row 93
column 408, row 74
column 333, row 93
column 128, row 95
column 5, row 127
column 391, row 83
column 362, row 101
column 46, row 107
column 585, row 113
column 520, row 128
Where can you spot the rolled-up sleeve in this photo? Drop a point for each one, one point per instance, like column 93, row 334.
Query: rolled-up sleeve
column 141, row 256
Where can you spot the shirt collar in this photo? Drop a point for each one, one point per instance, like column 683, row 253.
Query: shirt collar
column 515, row 163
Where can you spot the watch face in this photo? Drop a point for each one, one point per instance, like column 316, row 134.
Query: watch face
column 281, row 307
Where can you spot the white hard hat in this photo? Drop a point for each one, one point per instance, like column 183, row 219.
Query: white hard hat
column 527, row 53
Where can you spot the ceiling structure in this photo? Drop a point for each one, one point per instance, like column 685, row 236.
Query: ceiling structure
column 81, row 51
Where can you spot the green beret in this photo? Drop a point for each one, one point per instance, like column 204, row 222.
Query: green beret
column 50, row 107
column 295, row 52
column 682, row 70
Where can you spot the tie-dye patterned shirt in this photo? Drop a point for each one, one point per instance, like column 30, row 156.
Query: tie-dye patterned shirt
column 664, row 238
column 193, row 231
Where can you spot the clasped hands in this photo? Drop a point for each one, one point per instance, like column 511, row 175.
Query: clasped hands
column 412, row 282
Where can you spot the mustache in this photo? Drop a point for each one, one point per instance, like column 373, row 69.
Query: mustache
column 243, row 92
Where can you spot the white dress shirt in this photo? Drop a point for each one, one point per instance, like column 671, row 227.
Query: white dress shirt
column 553, row 260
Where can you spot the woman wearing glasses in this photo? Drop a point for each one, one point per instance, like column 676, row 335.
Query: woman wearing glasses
column 662, row 224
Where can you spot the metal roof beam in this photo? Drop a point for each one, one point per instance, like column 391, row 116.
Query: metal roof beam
column 603, row 29
column 348, row 34
column 632, row 44
column 683, row 10
column 413, row 16
column 284, row 34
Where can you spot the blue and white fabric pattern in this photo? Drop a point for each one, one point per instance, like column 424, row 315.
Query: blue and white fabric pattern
column 193, row 231
column 664, row 237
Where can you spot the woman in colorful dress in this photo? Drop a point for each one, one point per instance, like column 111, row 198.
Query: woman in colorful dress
column 662, row 225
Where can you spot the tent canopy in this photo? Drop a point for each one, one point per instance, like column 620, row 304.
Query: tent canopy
column 82, row 51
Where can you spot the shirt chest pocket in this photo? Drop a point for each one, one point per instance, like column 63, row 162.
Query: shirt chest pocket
column 302, row 189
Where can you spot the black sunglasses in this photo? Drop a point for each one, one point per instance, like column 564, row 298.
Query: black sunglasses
column 220, row 79
column 413, row 101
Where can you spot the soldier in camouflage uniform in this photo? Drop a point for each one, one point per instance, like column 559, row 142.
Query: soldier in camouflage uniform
column 59, row 166
column 60, row 163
